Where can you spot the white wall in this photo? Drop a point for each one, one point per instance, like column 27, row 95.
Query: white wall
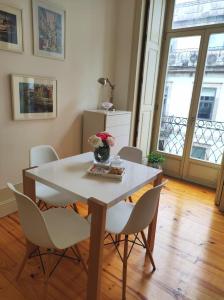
column 124, row 34
column 90, row 53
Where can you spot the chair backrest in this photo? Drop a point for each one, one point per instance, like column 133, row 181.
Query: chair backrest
column 131, row 153
column 32, row 220
column 42, row 154
column 144, row 211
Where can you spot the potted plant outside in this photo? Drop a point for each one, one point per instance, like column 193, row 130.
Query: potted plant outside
column 155, row 160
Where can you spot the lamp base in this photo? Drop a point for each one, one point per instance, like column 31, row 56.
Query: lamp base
column 107, row 105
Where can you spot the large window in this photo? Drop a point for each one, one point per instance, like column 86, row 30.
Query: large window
column 191, row 13
column 189, row 117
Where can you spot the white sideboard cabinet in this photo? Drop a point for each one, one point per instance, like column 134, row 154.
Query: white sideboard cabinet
column 117, row 123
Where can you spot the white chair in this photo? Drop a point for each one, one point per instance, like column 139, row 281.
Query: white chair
column 40, row 155
column 56, row 228
column 131, row 219
column 131, row 154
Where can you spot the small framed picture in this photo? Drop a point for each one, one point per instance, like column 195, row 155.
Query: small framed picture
column 11, row 28
column 48, row 30
column 33, row 97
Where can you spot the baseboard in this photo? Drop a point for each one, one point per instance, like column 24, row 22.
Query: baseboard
column 7, row 207
column 7, row 200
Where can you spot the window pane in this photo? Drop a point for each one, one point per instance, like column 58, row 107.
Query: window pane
column 198, row 152
column 182, row 61
column 192, row 13
column 206, row 104
column 209, row 127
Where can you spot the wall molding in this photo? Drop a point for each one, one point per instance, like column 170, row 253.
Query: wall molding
column 7, row 207
column 7, row 200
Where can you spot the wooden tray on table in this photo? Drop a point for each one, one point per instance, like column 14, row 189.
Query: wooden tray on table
column 109, row 172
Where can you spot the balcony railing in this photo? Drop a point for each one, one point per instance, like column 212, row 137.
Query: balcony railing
column 188, row 57
column 208, row 135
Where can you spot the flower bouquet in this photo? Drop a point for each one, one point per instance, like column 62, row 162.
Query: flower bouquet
column 101, row 142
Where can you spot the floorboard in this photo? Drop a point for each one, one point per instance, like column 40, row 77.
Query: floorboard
column 189, row 255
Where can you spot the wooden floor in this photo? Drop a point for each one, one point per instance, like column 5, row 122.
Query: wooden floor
column 189, row 255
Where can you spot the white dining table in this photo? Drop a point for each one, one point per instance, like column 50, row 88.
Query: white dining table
column 70, row 175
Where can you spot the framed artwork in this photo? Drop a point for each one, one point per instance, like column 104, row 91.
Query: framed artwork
column 33, row 97
column 11, row 28
column 48, row 30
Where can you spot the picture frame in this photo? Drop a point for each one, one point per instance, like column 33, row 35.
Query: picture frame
column 48, row 29
column 11, row 31
column 33, row 97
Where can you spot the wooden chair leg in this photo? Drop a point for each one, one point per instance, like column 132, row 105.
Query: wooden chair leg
column 130, row 199
column 74, row 206
column 42, row 205
column 29, row 249
column 81, row 258
column 125, row 261
column 47, row 206
column 148, row 250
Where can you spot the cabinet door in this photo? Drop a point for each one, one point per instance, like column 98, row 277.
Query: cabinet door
column 118, row 120
column 119, row 127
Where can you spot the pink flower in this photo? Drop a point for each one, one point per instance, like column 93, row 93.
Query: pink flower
column 103, row 135
column 95, row 141
column 110, row 141
column 100, row 138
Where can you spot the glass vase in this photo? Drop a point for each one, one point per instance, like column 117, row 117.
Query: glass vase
column 102, row 154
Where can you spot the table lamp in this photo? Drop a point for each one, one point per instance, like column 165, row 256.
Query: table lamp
column 104, row 82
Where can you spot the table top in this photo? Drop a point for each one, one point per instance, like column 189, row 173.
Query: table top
column 70, row 175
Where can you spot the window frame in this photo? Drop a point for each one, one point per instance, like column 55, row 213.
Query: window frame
column 180, row 166
column 170, row 14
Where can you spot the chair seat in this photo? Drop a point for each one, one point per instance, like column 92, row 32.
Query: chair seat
column 66, row 227
column 53, row 197
column 118, row 216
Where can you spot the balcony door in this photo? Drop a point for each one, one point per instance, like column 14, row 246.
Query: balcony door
column 189, row 121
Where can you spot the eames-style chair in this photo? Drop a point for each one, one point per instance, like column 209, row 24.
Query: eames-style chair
column 131, row 219
column 40, row 155
column 132, row 154
column 55, row 229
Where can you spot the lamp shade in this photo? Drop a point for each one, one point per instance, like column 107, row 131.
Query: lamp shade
column 104, row 82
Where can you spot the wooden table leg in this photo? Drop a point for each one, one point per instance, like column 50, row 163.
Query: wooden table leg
column 152, row 226
column 29, row 186
column 98, row 218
